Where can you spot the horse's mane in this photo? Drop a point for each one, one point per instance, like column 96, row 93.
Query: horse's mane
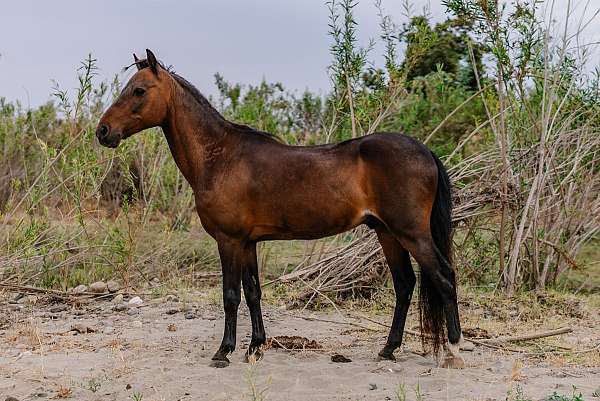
column 192, row 90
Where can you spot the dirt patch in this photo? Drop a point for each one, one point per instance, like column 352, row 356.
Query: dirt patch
column 292, row 343
column 138, row 354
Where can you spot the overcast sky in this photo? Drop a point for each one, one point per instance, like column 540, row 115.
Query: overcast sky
column 244, row 40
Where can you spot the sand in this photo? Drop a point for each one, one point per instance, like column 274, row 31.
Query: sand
column 157, row 356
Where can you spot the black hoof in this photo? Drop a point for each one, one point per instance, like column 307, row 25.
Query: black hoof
column 386, row 356
column 219, row 363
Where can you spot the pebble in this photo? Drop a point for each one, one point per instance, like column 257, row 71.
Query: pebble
column 189, row 315
column 133, row 312
column 372, row 386
column 172, row 327
column 120, row 307
column 29, row 300
column 136, row 324
column 172, row 311
column 9, row 398
column 118, row 299
column 16, row 297
column 82, row 328
column 14, row 307
column 113, row 286
column 171, row 298
column 58, row 308
column 108, row 330
column 80, row 289
column 135, row 301
column 98, row 287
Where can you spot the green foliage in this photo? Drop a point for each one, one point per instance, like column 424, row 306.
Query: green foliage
column 518, row 395
column 59, row 227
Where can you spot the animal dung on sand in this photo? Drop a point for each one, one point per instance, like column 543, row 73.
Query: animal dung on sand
column 292, row 343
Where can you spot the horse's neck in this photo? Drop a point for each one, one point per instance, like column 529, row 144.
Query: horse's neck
column 198, row 141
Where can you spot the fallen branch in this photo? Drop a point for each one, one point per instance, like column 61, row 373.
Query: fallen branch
column 526, row 337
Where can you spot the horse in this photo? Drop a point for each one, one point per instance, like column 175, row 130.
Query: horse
column 250, row 187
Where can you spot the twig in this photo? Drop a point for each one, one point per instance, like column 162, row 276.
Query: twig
column 525, row 337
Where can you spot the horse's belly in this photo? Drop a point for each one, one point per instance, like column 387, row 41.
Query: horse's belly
column 308, row 222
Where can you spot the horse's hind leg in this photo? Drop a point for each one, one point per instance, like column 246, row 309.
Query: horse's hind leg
column 252, row 292
column 441, row 276
column 404, row 280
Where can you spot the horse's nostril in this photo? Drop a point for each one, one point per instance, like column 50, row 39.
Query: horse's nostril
column 102, row 131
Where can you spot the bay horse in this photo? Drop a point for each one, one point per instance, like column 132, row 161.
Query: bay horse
column 250, row 187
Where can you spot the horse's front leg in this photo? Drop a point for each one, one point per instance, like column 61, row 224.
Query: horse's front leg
column 231, row 253
column 252, row 292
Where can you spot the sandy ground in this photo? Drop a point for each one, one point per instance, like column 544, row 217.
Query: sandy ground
column 154, row 355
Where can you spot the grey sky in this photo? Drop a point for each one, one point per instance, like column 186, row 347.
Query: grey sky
column 244, row 40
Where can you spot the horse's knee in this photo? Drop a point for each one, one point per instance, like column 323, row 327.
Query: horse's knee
column 231, row 300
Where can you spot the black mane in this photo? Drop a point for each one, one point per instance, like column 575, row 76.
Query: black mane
column 192, row 90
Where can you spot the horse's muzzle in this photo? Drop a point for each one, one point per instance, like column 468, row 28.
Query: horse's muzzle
column 107, row 138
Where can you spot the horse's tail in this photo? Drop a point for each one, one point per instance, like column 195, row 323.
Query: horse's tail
column 431, row 304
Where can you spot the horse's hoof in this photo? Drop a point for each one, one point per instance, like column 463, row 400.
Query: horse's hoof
column 384, row 356
column 254, row 356
column 219, row 363
column 453, row 362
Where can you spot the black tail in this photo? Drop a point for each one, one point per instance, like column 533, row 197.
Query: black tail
column 431, row 304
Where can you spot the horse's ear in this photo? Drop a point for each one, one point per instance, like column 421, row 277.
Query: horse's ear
column 152, row 61
column 137, row 62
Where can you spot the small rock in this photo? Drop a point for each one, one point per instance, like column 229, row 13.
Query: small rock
column 113, row 286
column 172, row 327
column 120, row 307
column 133, row 312
column 29, row 300
column 135, row 301
column 172, row 311
column 596, row 393
column 98, row 287
column 118, row 299
column 189, row 315
column 171, row 298
column 41, row 394
column 137, row 324
column 9, row 398
column 80, row 289
column 14, row 307
column 58, row 308
column 372, row 386
column 24, row 354
column 82, row 328
column 108, row 330
column 15, row 298
column 128, row 386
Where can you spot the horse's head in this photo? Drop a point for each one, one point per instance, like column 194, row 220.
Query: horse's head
column 142, row 104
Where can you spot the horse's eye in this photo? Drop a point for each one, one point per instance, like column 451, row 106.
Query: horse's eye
column 139, row 91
